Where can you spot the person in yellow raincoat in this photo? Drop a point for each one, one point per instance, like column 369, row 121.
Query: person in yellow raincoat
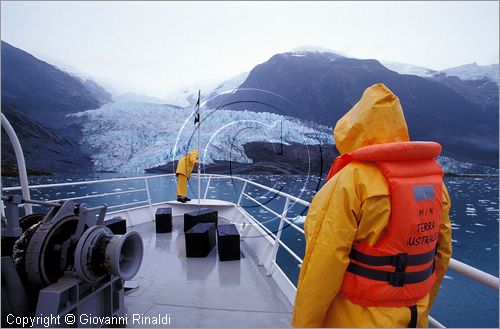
column 354, row 206
column 183, row 172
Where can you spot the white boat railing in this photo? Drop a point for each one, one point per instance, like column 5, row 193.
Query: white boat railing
column 145, row 189
column 467, row 270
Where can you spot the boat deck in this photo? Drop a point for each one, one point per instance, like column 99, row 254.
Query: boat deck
column 202, row 292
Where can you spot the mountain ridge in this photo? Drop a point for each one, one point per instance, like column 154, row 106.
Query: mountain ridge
column 37, row 96
column 314, row 85
column 323, row 86
column 43, row 91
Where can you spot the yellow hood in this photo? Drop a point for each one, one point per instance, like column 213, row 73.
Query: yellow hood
column 376, row 119
column 193, row 156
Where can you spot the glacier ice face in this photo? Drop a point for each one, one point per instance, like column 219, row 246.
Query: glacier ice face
column 133, row 136
column 451, row 165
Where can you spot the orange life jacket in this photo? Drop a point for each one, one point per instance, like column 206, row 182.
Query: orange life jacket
column 399, row 269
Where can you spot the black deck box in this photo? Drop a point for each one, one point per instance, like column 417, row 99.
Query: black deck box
column 228, row 242
column 163, row 220
column 200, row 240
column 204, row 215
column 117, row 225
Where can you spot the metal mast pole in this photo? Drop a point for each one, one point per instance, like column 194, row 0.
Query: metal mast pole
column 199, row 151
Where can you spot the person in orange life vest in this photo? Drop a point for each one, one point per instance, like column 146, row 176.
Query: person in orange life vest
column 378, row 233
column 183, row 172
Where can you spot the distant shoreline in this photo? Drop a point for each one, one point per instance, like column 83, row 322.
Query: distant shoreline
column 471, row 175
column 224, row 168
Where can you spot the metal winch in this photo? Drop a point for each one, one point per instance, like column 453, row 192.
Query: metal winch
column 62, row 256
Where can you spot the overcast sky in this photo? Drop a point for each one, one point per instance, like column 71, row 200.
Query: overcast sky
column 158, row 47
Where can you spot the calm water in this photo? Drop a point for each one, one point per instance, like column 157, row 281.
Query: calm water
column 474, row 214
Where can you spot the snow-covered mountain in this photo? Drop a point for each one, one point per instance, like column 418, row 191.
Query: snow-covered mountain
column 316, row 49
column 403, row 68
column 132, row 136
column 312, row 49
column 306, row 84
column 473, row 72
column 463, row 72
column 229, row 85
column 187, row 96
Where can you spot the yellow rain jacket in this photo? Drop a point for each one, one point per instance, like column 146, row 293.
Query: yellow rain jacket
column 187, row 163
column 355, row 206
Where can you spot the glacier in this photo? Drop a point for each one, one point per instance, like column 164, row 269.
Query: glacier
column 133, row 136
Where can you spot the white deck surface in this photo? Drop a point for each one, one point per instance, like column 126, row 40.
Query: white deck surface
column 202, row 292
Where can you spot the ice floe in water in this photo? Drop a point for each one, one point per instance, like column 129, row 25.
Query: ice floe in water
column 472, row 232
column 447, row 277
column 117, row 190
column 298, row 219
column 470, row 210
column 479, row 224
column 487, row 249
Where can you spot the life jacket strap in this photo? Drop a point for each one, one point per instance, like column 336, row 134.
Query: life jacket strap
column 414, row 316
column 396, row 279
column 400, row 261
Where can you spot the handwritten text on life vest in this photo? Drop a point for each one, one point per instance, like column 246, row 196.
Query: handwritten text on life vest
column 428, row 226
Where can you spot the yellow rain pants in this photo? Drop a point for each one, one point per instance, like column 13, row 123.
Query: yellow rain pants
column 182, row 185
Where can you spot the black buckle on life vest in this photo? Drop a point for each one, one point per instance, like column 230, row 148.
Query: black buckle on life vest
column 396, row 279
column 399, row 261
